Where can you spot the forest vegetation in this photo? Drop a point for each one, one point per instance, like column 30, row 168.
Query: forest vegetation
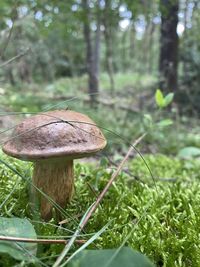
column 133, row 67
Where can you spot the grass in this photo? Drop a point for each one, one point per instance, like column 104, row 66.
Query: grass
column 130, row 125
column 159, row 218
column 163, row 220
column 129, row 82
column 21, row 98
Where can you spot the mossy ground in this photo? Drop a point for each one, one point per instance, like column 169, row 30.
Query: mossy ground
column 160, row 218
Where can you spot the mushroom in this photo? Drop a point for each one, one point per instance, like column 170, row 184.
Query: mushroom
column 52, row 140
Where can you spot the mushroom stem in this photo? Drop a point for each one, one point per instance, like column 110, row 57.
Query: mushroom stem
column 56, row 179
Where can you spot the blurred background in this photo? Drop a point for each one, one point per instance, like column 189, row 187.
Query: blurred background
column 105, row 58
column 133, row 66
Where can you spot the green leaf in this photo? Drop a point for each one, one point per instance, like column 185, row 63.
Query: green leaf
column 87, row 243
column 160, row 101
column 165, row 123
column 126, row 257
column 15, row 227
column 189, row 152
column 168, row 99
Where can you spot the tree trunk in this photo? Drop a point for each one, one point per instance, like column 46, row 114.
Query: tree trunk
column 97, row 43
column 109, row 41
column 93, row 79
column 132, row 46
column 150, row 64
column 185, row 21
column 169, row 45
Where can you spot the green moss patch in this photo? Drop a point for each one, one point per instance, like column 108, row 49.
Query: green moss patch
column 161, row 218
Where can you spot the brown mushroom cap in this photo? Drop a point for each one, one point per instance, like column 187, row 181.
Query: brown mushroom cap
column 55, row 134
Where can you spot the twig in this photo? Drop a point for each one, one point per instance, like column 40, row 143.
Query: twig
column 108, row 104
column 14, row 58
column 173, row 180
column 95, row 205
column 113, row 177
column 92, row 189
column 41, row 241
column 126, row 171
column 2, row 52
column 68, row 220
column 8, row 40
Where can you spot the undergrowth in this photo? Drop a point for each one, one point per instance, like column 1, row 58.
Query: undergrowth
column 132, row 99
column 161, row 218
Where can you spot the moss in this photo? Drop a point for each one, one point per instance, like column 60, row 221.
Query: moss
column 159, row 220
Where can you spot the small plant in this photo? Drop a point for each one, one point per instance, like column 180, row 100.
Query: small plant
column 163, row 101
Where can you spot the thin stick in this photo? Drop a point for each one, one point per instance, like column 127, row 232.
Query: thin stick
column 126, row 171
column 113, row 177
column 8, row 40
column 95, row 205
column 13, row 18
column 42, row 241
column 68, row 220
column 14, row 58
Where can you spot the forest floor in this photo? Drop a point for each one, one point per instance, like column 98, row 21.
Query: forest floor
column 157, row 195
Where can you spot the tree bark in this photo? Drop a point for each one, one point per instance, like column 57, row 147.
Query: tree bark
column 132, row 40
column 97, row 42
column 169, row 45
column 150, row 41
column 90, row 58
column 108, row 41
